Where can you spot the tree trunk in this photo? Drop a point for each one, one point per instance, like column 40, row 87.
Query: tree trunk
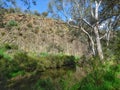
column 108, row 37
column 98, row 43
column 91, row 40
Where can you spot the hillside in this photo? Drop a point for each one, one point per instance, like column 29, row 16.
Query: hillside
column 40, row 53
column 33, row 33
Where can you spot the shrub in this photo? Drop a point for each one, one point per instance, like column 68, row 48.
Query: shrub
column 18, row 10
column 11, row 24
column 25, row 62
column 36, row 13
column 30, row 25
column 4, row 56
column 44, row 84
column 101, row 77
column 11, row 10
column 45, row 14
column 2, row 33
column 8, row 46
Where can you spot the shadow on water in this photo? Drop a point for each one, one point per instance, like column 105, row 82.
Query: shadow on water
column 51, row 79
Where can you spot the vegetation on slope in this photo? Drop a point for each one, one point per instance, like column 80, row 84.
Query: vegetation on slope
column 33, row 33
column 21, row 63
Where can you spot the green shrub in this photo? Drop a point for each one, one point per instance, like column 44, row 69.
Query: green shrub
column 9, row 46
column 102, row 76
column 11, row 24
column 18, row 10
column 30, row 25
column 16, row 73
column 25, row 62
column 36, row 13
column 2, row 33
column 43, row 54
column 115, row 46
column 44, row 14
column 11, row 10
column 6, row 67
column 44, row 84
column 4, row 56
column 1, row 54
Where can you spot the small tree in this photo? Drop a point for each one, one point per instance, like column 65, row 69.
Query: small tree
column 36, row 13
column 45, row 14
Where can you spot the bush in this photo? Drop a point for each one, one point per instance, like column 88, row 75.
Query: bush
column 11, row 10
column 9, row 46
column 18, row 10
column 45, row 14
column 101, row 77
column 25, row 62
column 36, row 13
column 22, row 65
column 44, row 84
column 30, row 25
column 11, row 24
column 4, row 56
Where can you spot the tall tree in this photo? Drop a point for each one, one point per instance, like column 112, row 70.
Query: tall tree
column 87, row 12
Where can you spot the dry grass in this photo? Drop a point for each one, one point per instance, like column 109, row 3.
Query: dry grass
column 39, row 34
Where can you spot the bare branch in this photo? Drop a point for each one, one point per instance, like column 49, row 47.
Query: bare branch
column 103, row 36
column 99, row 2
column 92, row 13
column 87, row 23
column 92, row 42
column 90, row 37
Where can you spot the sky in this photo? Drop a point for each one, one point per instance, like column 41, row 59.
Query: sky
column 40, row 7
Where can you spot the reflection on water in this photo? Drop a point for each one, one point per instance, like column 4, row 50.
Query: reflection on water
column 51, row 79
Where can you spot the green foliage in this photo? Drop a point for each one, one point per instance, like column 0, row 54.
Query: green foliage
column 36, row 13
column 44, row 84
column 45, row 14
column 7, row 46
column 25, row 62
column 11, row 24
column 22, row 63
column 30, row 25
column 6, row 66
column 11, row 10
column 2, row 33
column 99, row 76
column 102, row 76
column 114, row 46
column 43, row 54
column 117, row 44
column 18, row 10
column 16, row 73
column 3, row 55
column 65, row 82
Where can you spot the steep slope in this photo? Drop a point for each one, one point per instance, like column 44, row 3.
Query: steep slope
column 39, row 34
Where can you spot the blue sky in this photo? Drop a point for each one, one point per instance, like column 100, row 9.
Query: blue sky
column 40, row 7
